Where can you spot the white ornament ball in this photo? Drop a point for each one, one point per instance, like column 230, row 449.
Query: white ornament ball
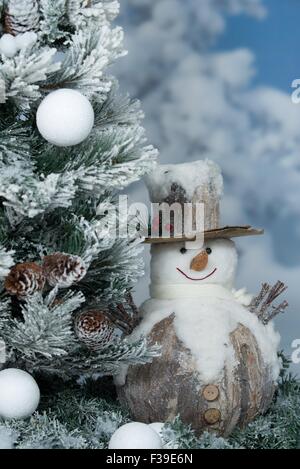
column 135, row 435
column 65, row 118
column 19, row 394
column 157, row 427
column 8, row 46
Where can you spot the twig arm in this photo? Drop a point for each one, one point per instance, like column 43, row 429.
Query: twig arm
column 262, row 304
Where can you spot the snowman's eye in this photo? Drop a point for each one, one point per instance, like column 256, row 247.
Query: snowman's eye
column 183, row 250
column 208, row 250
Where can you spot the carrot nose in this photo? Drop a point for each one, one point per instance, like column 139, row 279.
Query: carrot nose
column 199, row 262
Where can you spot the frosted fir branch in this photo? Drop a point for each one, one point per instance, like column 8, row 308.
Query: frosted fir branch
column 15, row 146
column 125, row 173
column 80, row 362
column 111, row 161
column 29, row 197
column 98, row 236
column 53, row 19
column 117, row 110
column 115, row 272
column 62, row 230
column 125, row 159
column 6, row 262
column 44, row 431
column 61, row 18
column 85, row 61
column 45, row 331
column 26, row 250
column 13, row 218
column 5, row 308
column 86, row 239
column 26, row 196
column 262, row 306
column 117, row 176
column 5, row 316
column 3, row 97
column 23, row 74
column 83, row 12
column 126, row 353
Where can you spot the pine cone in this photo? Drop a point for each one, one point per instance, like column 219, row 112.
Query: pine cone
column 21, row 16
column 94, row 329
column 25, row 279
column 63, row 270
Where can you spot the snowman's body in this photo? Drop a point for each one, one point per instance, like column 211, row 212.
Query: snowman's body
column 219, row 364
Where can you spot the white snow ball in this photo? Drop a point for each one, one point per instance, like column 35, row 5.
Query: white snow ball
column 135, row 435
column 19, row 394
column 8, row 46
column 158, row 427
column 25, row 40
column 65, row 118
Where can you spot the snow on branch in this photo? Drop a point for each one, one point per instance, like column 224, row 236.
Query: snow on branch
column 6, row 262
column 23, row 74
column 29, row 196
column 115, row 271
column 90, row 52
column 82, row 12
column 262, row 305
column 83, row 363
column 98, row 236
column 53, row 14
column 124, row 159
column 15, row 146
column 46, row 330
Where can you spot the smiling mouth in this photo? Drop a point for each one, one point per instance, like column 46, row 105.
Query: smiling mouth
column 196, row 279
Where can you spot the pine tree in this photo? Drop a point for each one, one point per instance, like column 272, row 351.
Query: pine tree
column 58, row 254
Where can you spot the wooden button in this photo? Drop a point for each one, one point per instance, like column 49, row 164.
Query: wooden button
column 212, row 416
column 211, row 393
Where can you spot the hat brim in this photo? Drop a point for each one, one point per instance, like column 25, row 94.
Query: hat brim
column 225, row 232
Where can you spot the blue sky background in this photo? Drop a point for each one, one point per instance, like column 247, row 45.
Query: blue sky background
column 275, row 40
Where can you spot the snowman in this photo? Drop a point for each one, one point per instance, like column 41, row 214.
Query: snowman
column 218, row 366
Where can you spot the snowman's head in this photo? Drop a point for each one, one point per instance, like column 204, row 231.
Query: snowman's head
column 215, row 263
